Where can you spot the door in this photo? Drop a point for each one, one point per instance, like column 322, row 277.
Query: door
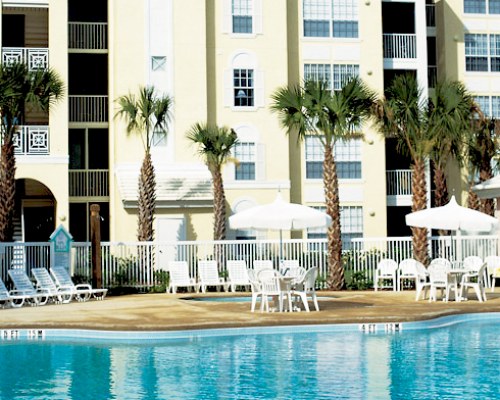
column 168, row 232
column 38, row 223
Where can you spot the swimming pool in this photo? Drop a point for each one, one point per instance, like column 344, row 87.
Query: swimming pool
column 457, row 359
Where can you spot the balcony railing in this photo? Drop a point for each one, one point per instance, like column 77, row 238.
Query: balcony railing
column 32, row 140
column 89, row 183
column 35, row 58
column 88, row 35
column 400, row 45
column 430, row 15
column 399, row 182
column 88, row 108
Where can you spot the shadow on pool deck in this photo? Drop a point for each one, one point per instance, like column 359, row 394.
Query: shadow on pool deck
column 174, row 312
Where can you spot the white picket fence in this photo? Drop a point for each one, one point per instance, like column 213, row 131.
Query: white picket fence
column 137, row 264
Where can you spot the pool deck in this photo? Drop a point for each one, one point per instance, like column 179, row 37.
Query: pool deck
column 152, row 312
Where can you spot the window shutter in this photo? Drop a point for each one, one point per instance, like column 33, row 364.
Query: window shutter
column 227, row 17
column 260, row 167
column 228, row 88
column 259, row 88
column 257, row 17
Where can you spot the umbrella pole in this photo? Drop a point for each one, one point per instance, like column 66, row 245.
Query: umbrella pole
column 281, row 247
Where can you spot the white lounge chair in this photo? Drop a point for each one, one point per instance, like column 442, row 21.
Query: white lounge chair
column 440, row 278
column 407, row 271
column 386, row 271
column 476, row 281
column 13, row 298
column 256, row 288
column 237, row 274
column 209, row 275
column 493, row 270
column 306, row 287
column 179, row 277
column 23, row 286
column 45, row 282
column 82, row 291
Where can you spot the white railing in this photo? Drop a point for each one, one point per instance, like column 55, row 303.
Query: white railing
column 23, row 255
column 35, row 58
column 88, row 183
column 400, row 45
column 88, row 108
column 32, row 140
column 88, row 35
column 398, row 182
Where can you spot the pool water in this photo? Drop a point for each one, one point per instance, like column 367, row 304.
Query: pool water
column 458, row 361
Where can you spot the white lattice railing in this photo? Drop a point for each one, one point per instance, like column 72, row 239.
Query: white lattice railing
column 398, row 182
column 88, row 35
column 89, row 183
column 400, row 45
column 88, row 108
column 32, row 140
column 35, row 58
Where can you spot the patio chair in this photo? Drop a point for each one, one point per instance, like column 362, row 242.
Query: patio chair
column 63, row 294
column 81, row 292
column 237, row 274
column 209, row 275
column 23, row 286
column 13, row 298
column 270, row 287
column 289, row 267
column 472, row 263
column 476, row 281
column 259, row 265
column 306, row 288
column 256, row 288
column 179, row 277
column 407, row 271
column 386, row 271
column 493, row 270
column 422, row 282
column 440, row 278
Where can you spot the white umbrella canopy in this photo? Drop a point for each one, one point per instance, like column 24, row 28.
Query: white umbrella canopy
column 280, row 215
column 452, row 217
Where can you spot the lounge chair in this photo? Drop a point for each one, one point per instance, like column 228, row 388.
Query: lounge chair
column 237, row 274
column 209, row 275
column 82, row 291
column 179, row 277
column 476, row 281
column 386, row 271
column 306, row 288
column 45, row 282
column 472, row 263
column 23, row 286
column 13, row 298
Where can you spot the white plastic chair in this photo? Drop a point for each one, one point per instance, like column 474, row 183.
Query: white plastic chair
column 61, row 294
column 289, row 267
column 492, row 271
column 259, row 265
column 386, row 271
column 81, row 292
column 476, row 281
column 407, row 271
column 422, row 282
column 472, row 263
column 23, row 286
column 270, row 286
column 179, row 277
column 440, row 278
column 306, row 288
column 256, row 288
column 209, row 275
column 237, row 274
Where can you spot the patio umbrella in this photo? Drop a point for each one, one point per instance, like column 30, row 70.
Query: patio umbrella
column 280, row 215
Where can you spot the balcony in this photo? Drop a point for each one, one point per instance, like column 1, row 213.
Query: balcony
column 398, row 183
column 89, row 183
column 430, row 15
column 400, row 45
column 32, row 140
column 88, row 109
column 88, row 35
column 35, row 58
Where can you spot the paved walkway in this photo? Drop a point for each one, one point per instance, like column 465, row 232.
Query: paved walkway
column 174, row 312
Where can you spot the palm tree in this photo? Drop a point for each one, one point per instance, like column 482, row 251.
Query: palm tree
column 20, row 88
column 146, row 115
column 313, row 109
column 402, row 115
column 215, row 145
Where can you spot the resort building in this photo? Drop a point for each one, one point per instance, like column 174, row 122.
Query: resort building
column 221, row 61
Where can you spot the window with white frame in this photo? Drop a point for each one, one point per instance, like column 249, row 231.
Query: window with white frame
column 490, row 105
column 482, row 6
column 245, row 153
column 482, row 52
column 243, row 87
column 347, row 158
column 242, row 11
column 351, row 226
column 330, row 18
column 341, row 74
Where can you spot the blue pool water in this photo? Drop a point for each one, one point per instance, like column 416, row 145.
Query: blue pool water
column 453, row 361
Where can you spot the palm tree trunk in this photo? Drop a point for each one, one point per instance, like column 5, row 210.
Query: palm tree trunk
column 419, row 202
column 487, row 205
column 7, row 190
column 147, row 200
column 441, row 191
column 473, row 201
column 334, row 240
column 219, row 205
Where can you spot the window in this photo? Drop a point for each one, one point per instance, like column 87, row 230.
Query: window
column 243, row 87
column 351, row 226
column 482, row 52
column 347, row 158
column 495, row 53
column 241, row 11
column 323, row 72
column 482, row 6
column 244, row 152
column 331, row 18
column 343, row 73
column 490, row 106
